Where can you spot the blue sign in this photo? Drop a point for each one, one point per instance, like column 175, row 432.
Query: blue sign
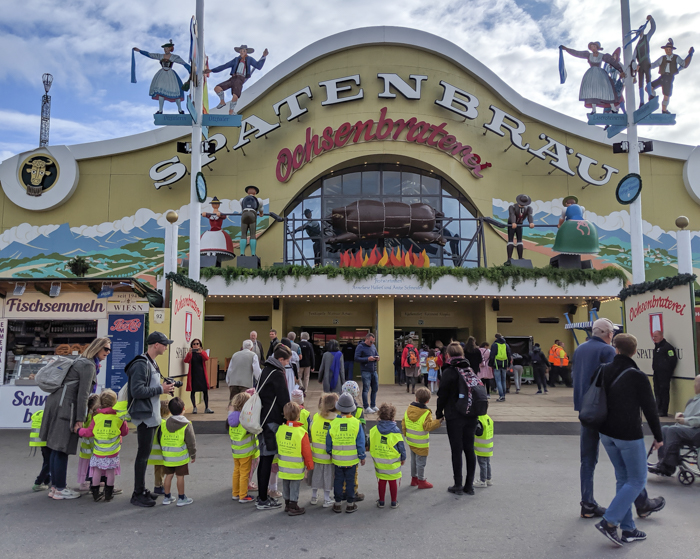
column 629, row 189
column 126, row 332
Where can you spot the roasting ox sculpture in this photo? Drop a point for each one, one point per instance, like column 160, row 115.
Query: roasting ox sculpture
column 371, row 219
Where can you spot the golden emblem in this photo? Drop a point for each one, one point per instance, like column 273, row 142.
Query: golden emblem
column 38, row 173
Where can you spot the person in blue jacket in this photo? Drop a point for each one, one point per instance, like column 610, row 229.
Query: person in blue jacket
column 367, row 356
column 242, row 67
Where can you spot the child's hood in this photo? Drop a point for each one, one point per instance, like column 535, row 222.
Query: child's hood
column 176, row 422
column 385, row 427
column 106, row 411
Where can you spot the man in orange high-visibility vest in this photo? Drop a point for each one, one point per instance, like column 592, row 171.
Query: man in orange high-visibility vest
column 560, row 364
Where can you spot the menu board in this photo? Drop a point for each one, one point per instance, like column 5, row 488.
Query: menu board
column 126, row 332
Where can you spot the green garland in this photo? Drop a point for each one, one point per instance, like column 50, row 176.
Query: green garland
column 184, row 281
column 657, row 285
column 498, row 275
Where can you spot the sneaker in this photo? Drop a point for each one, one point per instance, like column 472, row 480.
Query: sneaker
column 314, row 500
column 456, row 489
column 142, row 500
column 609, row 532
column 268, row 504
column 479, row 483
column 652, row 505
column 158, row 491
column 375, row 409
column 246, row 499
column 65, row 494
column 337, row 507
column 380, row 504
column 207, row 410
column 538, row 392
column 252, row 487
column 359, row 497
column 424, row 484
column 394, row 504
column 184, row 501
column 517, row 390
column 629, row 536
column 328, row 504
column 39, row 487
column 194, row 410
column 84, row 487
column 593, row 510
column 661, row 470
column 369, row 410
column 489, row 482
column 350, row 507
column 169, row 499
column 501, row 399
column 274, row 494
column 117, row 491
column 52, row 490
column 414, row 481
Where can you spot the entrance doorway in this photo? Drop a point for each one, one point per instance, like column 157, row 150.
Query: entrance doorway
column 347, row 337
column 427, row 336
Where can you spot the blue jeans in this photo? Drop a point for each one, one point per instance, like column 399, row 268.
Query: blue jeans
column 500, row 376
column 630, row 461
column 349, row 366
column 58, row 464
column 344, row 475
column 369, row 380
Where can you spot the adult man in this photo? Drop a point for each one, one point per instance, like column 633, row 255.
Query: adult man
column 663, row 365
column 257, row 346
column 669, row 66
column 559, row 364
column 307, row 363
column 273, row 342
column 366, row 355
column 499, row 360
column 686, row 431
column 588, row 357
column 517, row 213
column 291, row 336
column 410, row 363
column 242, row 67
column 243, row 369
column 145, row 389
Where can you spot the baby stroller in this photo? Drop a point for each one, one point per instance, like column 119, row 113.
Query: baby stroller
column 687, row 465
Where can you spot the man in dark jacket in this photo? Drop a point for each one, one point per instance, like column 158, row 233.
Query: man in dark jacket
column 499, row 360
column 366, row 355
column 539, row 368
column 273, row 342
column 663, row 364
column 145, row 389
column 307, row 363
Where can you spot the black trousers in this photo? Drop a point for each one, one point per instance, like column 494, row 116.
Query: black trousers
column 560, row 372
column 44, row 476
column 460, row 432
column 205, row 394
column 540, row 378
column 144, row 438
column 676, row 436
column 662, row 389
column 264, row 472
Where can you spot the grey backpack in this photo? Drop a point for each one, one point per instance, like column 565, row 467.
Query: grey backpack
column 51, row 376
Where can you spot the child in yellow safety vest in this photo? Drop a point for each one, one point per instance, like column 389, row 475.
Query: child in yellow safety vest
column 388, row 452
column 322, row 477
column 483, row 448
column 155, row 459
column 293, row 453
column 107, row 431
column 352, row 388
column 177, row 443
column 297, row 397
column 244, row 448
column 345, row 443
column 43, row 480
column 85, row 445
column 416, row 426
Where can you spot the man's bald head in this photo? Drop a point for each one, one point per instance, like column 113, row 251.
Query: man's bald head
column 657, row 336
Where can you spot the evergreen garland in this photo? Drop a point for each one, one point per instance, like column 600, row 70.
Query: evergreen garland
column 657, row 285
column 184, row 281
column 498, row 275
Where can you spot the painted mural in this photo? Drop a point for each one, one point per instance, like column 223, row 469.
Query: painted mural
column 131, row 246
column 660, row 252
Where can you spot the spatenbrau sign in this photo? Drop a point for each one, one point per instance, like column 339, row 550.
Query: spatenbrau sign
column 656, row 303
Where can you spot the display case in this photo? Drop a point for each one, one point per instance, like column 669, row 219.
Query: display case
column 27, row 366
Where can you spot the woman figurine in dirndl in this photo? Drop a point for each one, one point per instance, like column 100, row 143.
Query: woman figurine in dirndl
column 166, row 84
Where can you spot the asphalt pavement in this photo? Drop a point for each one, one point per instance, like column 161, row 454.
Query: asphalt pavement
column 531, row 511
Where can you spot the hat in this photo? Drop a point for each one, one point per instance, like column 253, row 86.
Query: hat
column 257, row 190
column 597, row 43
column 298, row 396
column 571, row 197
column 669, row 45
column 215, row 200
column 523, row 200
column 345, row 404
column 168, row 44
column 158, row 338
column 351, row 387
column 248, row 50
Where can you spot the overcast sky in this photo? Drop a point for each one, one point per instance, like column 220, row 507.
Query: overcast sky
column 86, row 45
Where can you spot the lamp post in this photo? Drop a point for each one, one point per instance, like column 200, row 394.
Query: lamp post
column 47, row 79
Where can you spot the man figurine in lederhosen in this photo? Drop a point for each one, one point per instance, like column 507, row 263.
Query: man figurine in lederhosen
column 517, row 213
column 242, row 67
column 669, row 65
column 251, row 208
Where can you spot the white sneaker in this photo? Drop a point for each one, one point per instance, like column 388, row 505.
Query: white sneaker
column 52, row 490
column 328, row 504
column 184, row 502
column 314, row 500
column 167, row 500
column 479, row 483
column 489, row 482
column 369, row 410
column 65, row 494
column 375, row 410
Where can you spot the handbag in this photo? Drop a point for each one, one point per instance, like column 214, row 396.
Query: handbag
column 594, row 408
column 250, row 414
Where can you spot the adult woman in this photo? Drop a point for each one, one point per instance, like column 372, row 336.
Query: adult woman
column 460, row 428
column 332, row 370
column 291, row 369
column 64, row 413
column 197, row 381
column 472, row 354
column 628, row 392
column 485, row 372
column 272, row 389
column 166, row 84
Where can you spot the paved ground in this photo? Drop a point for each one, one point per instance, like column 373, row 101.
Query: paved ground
column 530, row 512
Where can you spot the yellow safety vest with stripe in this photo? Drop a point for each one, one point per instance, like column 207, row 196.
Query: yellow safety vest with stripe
column 86, row 443
column 387, row 460
column 319, row 429
column 121, row 409
column 343, row 433
column 416, row 436
column 34, row 439
column 107, row 434
column 173, row 446
column 243, row 443
column 289, row 458
column 483, row 444
column 304, row 419
column 155, row 458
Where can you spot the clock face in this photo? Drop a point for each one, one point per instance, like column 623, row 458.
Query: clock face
column 629, row 188
column 201, row 186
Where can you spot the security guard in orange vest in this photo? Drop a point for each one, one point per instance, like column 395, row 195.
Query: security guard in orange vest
column 559, row 361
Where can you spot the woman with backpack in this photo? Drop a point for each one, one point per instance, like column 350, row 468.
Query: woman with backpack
column 460, row 411
column 410, row 362
column 64, row 413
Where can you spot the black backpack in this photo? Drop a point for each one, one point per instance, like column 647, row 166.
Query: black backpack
column 480, row 402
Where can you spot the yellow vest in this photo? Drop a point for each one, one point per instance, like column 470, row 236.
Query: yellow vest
column 483, row 444
column 173, row 446
column 289, row 458
column 416, row 436
column 121, row 409
column 34, row 439
column 107, row 434
column 304, row 419
column 243, row 443
column 155, row 458
column 317, row 436
column 86, row 444
column 343, row 433
column 387, row 460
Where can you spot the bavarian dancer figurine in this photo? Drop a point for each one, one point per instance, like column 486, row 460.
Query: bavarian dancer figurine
column 669, row 65
column 242, row 67
column 251, row 208
column 166, row 84
column 517, row 213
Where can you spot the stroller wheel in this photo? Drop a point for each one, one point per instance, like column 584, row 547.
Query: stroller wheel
column 686, row 477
